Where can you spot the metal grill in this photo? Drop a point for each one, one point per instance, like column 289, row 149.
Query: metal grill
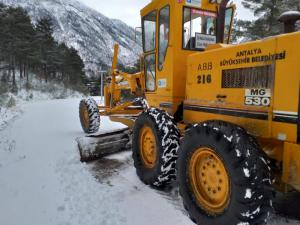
column 252, row 77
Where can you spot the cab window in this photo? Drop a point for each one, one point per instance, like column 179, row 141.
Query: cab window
column 164, row 29
column 149, row 32
column 150, row 72
column 199, row 28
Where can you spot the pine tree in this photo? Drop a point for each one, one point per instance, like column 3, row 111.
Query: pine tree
column 2, row 33
column 290, row 5
column 267, row 13
column 33, row 48
column 24, row 40
column 75, row 66
column 45, row 42
column 240, row 31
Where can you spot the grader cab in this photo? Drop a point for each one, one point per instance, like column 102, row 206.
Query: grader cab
column 222, row 119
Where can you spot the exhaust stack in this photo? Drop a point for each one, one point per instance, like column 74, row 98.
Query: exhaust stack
column 289, row 19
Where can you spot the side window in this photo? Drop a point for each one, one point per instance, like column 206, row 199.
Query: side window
column 186, row 28
column 149, row 32
column 150, row 72
column 164, row 29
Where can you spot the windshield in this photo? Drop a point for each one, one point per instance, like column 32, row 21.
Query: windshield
column 199, row 28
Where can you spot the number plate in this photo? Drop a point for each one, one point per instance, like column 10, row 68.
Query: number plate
column 258, row 97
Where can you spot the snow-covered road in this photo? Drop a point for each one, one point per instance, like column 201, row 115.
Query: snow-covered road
column 42, row 181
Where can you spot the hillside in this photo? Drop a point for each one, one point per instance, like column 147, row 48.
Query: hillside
column 85, row 29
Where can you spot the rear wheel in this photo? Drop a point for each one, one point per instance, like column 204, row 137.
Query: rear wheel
column 155, row 144
column 224, row 177
column 89, row 115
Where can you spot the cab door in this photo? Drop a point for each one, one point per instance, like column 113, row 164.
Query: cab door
column 149, row 23
column 164, row 61
column 156, row 28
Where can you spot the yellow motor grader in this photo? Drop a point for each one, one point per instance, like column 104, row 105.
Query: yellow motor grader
column 222, row 119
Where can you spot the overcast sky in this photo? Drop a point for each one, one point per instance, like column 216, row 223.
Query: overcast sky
column 129, row 11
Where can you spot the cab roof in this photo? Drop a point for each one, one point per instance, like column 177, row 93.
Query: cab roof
column 156, row 4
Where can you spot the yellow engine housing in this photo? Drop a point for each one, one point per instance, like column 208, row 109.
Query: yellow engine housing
column 217, row 91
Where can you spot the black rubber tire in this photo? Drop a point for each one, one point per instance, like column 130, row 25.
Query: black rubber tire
column 167, row 140
column 94, row 117
column 248, row 169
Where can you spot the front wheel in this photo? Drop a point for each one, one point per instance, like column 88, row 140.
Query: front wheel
column 155, row 144
column 224, row 177
column 89, row 115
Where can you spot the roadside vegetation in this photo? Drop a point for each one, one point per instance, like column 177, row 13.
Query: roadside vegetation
column 28, row 52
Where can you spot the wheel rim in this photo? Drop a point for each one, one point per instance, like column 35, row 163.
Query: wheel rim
column 84, row 116
column 209, row 180
column 148, row 149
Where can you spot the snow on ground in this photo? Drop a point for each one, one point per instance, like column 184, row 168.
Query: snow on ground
column 8, row 114
column 43, row 182
column 11, row 104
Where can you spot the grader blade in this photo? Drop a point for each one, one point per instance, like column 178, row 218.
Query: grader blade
column 95, row 146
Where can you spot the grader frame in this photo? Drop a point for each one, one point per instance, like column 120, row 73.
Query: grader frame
column 112, row 92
